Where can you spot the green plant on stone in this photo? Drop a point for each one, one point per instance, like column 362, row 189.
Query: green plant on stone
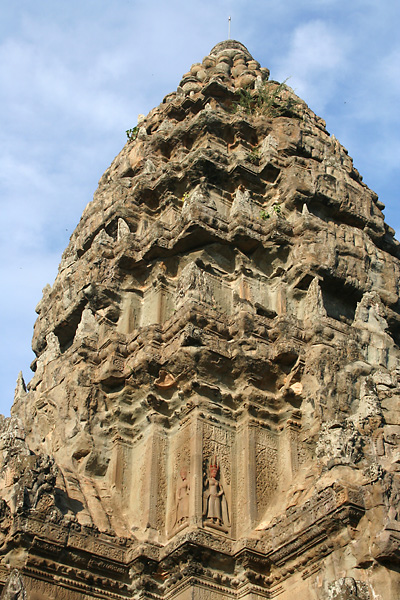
column 185, row 197
column 276, row 209
column 245, row 99
column 266, row 100
column 131, row 134
column 254, row 155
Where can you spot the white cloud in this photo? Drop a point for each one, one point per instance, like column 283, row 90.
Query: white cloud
column 317, row 53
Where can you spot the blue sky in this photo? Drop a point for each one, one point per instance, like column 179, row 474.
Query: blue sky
column 75, row 75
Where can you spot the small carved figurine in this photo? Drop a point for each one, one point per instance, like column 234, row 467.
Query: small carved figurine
column 182, row 498
column 14, row 588
column 215, row 507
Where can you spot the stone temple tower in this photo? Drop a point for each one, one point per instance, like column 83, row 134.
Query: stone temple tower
column 214, row 411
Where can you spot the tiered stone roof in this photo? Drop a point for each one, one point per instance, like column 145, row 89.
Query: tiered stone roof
column 214, row 409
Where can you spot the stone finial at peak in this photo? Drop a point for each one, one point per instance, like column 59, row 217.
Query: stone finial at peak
column 230, row 63
column 230, row 45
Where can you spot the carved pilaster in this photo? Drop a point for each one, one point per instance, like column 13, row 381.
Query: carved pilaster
column 196, row 467
column 148, row 484
column 157, row 495
column 266, row 468
column 246, row 503
column 120, row 468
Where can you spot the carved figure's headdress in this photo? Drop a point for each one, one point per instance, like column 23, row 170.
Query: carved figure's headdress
column 213, row 464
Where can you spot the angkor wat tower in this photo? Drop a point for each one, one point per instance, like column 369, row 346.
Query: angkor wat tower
column 214, row 410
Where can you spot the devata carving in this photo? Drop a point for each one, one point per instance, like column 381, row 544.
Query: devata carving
column 14, row 588
column 215, row 406
column 215, row 506
column 182, row 498
column 347, row 588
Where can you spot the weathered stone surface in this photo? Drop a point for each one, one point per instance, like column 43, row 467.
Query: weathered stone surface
column 214, row 410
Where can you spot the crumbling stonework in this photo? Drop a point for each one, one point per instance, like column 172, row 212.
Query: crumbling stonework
column 214, row 411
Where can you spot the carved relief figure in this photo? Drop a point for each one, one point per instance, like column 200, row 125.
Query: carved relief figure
column 182, row 498
column 215, row 507
column 14, row 588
